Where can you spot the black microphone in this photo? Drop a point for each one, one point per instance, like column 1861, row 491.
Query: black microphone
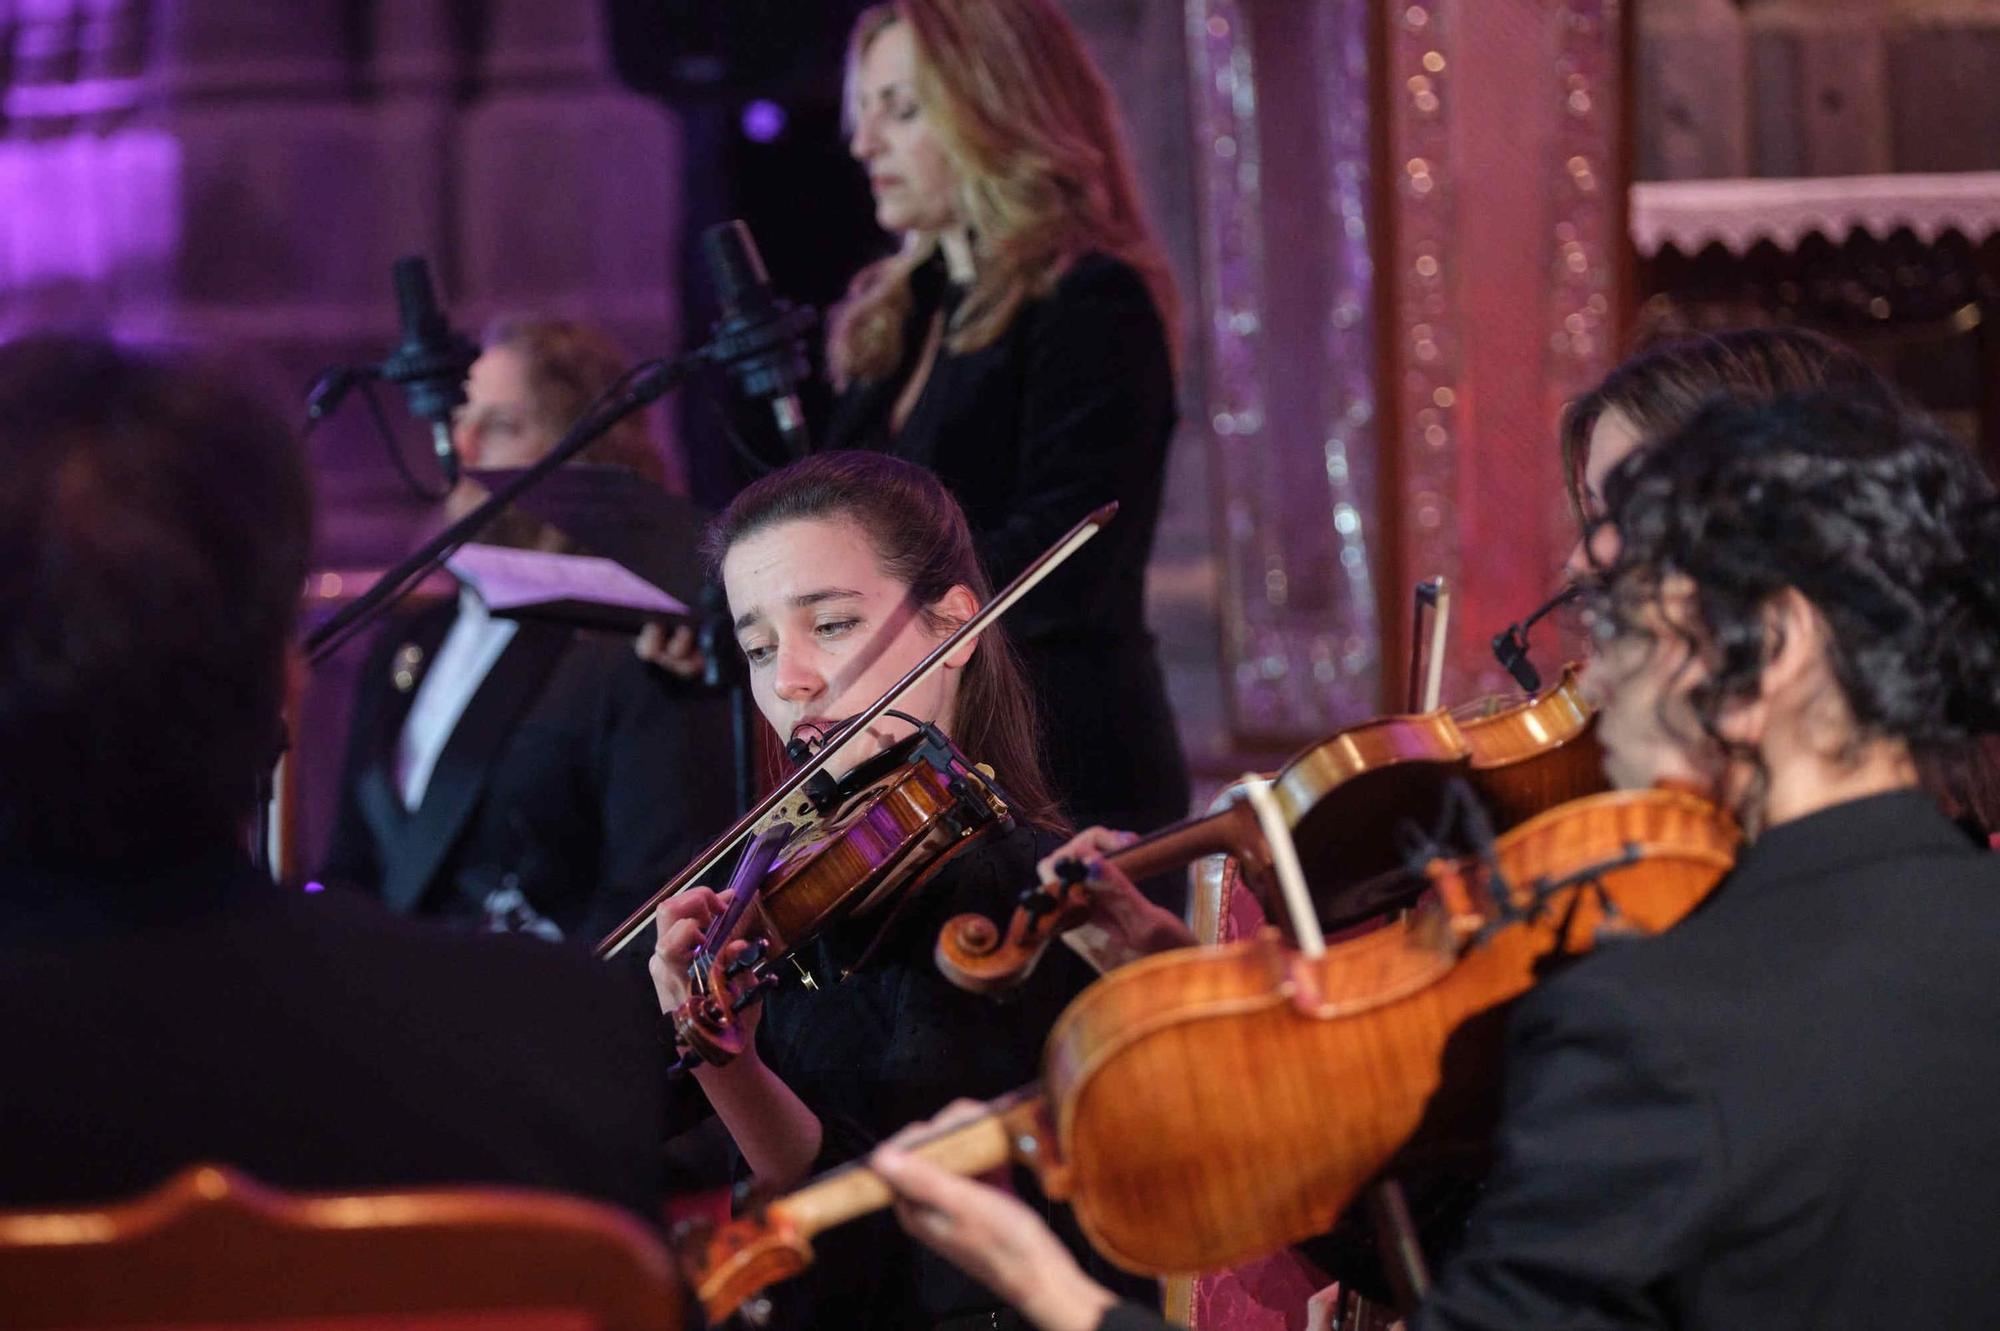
column 1510, row 645
column 432, row 362
column 758, row 338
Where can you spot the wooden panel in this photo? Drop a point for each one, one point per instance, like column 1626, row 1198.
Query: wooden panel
column 1692, row 91
column 1818, row 83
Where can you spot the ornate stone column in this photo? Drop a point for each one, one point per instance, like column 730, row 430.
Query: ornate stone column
column 1281, row 119
column 1413, row 237
column 1505, row 259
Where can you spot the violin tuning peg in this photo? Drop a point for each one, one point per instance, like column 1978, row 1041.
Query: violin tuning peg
column 749, row 958
column 753, row 993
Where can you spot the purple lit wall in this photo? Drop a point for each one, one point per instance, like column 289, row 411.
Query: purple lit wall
column 238, row 175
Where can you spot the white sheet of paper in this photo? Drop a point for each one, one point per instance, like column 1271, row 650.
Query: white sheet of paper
column 507, row 579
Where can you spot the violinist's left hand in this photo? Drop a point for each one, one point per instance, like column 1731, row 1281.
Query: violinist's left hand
column 990, row 1234
column 1123, row 925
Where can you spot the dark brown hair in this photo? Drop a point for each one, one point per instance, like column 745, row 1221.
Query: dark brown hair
column 1869, row 511
column 153, row 536
column 921, row 540
column 1660, row 389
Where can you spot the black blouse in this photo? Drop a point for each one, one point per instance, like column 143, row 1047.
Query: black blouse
column 1071, row 407
column 892, row 1044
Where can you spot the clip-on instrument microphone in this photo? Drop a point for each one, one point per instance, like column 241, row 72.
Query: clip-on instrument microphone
column 1510, row 645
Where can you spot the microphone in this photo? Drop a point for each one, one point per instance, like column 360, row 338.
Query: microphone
column 432, row 362
column 758, row 338
column 1510, row 645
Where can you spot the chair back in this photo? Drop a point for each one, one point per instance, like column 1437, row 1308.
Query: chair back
column 211, row 1249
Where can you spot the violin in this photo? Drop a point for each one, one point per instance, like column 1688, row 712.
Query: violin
column 823, row 849
column 892, row 825
column 1346, row 801
column 1367, row 1055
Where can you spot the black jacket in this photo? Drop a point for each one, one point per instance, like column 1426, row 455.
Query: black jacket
column 313, row 1041
column 577, row 775
column 1071, row 407
column 1779, row 1114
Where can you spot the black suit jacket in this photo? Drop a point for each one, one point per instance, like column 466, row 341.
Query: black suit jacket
column 577, row 775
column 312, row 1040
column 1070, row 408
column 1781, row 1113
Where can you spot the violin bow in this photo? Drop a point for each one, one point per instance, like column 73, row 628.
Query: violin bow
column 1440, row 629
column 1024, row 582
column 1285, row 865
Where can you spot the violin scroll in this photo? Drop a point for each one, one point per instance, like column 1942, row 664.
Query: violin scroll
column 707, row 1025
column 730, row 1265
column 975, row 955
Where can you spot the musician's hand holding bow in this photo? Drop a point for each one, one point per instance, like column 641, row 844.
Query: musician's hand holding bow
column 1123, row 925
column 989, row 1233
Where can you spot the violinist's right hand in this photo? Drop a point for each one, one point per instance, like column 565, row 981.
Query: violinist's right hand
column 1123, row 925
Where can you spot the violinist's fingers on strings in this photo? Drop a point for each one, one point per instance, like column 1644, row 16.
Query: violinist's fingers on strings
column 1090, row 845
column 698, row 905
column 958, row 1111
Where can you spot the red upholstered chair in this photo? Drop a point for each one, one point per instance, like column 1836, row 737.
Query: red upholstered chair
column 213, row 1250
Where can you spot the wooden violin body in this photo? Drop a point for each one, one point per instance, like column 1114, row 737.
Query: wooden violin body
column 887, row 830
column 1378, row 1049
column 1346, row 1051
column 1346, row 801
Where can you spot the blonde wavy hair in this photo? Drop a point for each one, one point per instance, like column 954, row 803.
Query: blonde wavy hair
column 1031, row 129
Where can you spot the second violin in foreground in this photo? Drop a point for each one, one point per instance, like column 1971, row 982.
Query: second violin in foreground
column 1346, row 802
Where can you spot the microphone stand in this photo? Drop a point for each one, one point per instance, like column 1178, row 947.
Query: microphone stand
column 650, row 382
column 722, row 671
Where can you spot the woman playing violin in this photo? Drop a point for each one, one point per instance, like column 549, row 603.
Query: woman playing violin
column 1777, row 1114
column 842, row 572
